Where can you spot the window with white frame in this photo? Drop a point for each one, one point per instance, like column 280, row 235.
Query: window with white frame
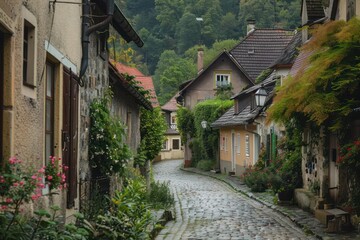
column 247, row 145
column 165, row 145
column 238, row 143
column 222, row 143
column 222, row 80
column 176, row 144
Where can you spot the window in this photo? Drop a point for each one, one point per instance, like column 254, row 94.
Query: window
column 165, row 145
column 49, row 110
column 176, row 144
column 222, row 80
column 29, row 54
column 238, row 143
column 222, row 144
column 247, row 145
column 173, row 119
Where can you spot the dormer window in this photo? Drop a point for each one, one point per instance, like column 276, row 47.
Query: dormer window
column 222, row 80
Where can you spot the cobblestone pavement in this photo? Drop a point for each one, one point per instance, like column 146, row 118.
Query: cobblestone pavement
column 206, row 208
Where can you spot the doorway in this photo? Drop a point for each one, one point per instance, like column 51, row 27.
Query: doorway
column 70, row 133
column 333, row 169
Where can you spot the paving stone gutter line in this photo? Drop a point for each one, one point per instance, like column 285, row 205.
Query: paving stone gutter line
column 237, row 185
column 161, row 218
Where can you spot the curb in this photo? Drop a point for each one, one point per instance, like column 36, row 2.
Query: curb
column 162, row 217
column 250, row 195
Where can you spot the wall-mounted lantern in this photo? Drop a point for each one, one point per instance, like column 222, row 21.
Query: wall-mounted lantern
column 260, row 97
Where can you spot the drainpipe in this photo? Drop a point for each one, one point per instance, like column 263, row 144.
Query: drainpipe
column 87, row 30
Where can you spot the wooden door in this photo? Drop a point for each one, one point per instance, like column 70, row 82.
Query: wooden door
column 70, row 133
column 333, row 169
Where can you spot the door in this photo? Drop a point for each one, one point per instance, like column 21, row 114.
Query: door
column 333, row 169
column 233, row 152
column 70, row 133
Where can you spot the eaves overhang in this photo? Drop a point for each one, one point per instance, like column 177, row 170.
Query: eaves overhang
column 117, row 77
column 121, row 24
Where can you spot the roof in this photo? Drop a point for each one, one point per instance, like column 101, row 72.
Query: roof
column 300, row 62
column 230, row 118
column 122, row 68
column 287, row 58
column 224, row 53
column 129, row 88
column 145, row 81
column 171, row 105
column 121, row 24
column 247, row 115
column 270, row 80
column 260, row 49
column 315, row 10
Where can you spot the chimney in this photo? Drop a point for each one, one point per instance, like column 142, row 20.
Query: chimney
column 250, row 26
column 200, row 60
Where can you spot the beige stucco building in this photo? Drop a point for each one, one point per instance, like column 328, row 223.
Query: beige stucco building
column 38, row 54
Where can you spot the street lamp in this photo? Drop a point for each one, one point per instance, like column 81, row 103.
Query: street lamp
column 260, row 97
column 203, row 124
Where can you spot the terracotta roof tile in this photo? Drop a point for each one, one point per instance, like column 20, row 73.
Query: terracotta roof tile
column 260, row 49
column 145, row 81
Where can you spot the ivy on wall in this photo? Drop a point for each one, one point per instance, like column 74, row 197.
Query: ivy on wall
column 205, row 142
column 152, row 130
column 107, row 150
column 326, row 89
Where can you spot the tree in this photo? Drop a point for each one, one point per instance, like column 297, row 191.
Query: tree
column 229, row 27
column 168, row 13
column 187, row 32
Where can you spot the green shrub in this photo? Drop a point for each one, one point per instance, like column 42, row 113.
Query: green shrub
column 205, row 165
column 257, row 181
column 160, row 196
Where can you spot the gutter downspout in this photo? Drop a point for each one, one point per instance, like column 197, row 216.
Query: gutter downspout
column 87, row 30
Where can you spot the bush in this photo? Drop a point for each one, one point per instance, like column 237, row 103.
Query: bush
column 257, row 181
column 205, row 165
column 160, row 196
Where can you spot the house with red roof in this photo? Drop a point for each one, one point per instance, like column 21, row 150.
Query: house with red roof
column 144, row 81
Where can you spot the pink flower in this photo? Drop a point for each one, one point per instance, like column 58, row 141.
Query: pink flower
column 49, row 177
column 21, row 183
column 39, row 179
column 34, row 197
column 41, row 185
column 41, row 170
column 12, row 160
column 3, row 207
column 15, row 184
column 2, row 180
column 66, row 167
column 34, row 177
column 9, row 200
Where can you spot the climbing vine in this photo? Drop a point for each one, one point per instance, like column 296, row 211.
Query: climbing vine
column 107, row 150
column 326, row 88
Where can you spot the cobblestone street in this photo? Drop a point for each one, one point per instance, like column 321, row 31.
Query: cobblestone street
column 206, row 208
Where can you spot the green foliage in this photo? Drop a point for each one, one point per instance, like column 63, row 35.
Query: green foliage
column 349, row 160
column 128, row 218
column 107, row 150
column 185, row 123
column 256, row 180
column 206, row 165
column 43, row 225
column 208, row 138
column 152, row 129
column 160, row 196
column 326, row 88
column 263, row 75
